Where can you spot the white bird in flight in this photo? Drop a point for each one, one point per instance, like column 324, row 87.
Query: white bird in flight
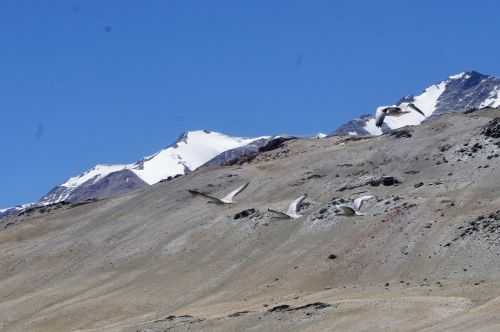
column 293, row 209
column 228, row 199
column 396, row 111
column 353, row 210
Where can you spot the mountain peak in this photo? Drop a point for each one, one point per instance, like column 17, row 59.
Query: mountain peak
column 191, row 150
column 475, row 73
column 458, row 93
column 182, row 137
column 470, row 78
column 195, row 134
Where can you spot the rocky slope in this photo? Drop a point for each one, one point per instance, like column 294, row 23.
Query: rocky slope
column 425, row 257
column 458, row 93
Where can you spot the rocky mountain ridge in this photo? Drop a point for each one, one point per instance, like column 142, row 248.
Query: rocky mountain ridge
column 458, row 93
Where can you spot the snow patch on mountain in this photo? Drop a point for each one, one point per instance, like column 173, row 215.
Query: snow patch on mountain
column 493, row 99
column 370, row 127
column 458, row 76
column 458, row 93
column 426, row 101
column 190, row 151
column 94, row 174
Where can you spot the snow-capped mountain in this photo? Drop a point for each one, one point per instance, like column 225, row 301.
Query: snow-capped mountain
column 458, row 93
column 194, row 149
column 189, row 152
column 15, row 209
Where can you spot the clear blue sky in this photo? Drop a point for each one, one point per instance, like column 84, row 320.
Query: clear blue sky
column 109, row 81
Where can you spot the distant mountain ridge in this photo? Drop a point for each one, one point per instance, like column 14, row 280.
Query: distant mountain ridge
column 458, row 93
column 194, row 149
column 190, row 151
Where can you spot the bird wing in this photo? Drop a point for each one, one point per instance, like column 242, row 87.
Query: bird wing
column 347, row 210
column 412, row 105
column 358, row 202
column 229, row 197
column 379, row 117
column 279, row 214
column 196, row 192
column 293, row 208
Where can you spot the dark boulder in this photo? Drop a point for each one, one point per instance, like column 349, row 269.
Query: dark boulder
column 401, row 133
column 492, row 129
column 245, row 214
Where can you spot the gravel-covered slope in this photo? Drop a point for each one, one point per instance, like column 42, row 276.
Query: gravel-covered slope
column 424, row 258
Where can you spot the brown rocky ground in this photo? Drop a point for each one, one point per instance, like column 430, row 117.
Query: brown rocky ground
column 424, row 258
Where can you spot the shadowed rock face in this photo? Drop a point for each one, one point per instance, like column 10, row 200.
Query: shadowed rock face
column 354, row 126
column 425, row 257
column 248, row 152
column 115, row 184
column 462, row 94
column 7, row 213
